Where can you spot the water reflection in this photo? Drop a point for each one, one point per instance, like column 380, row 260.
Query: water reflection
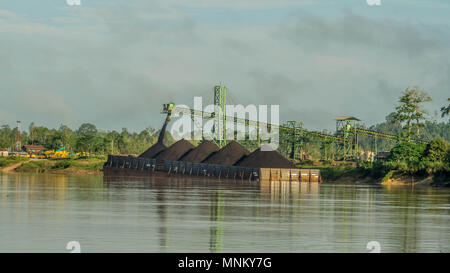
column 43, row 212
column 339, row 215
column 217, row 218
column 164, row 187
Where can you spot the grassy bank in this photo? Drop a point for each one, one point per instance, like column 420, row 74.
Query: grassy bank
column 407, row 163
column 7, row 161
column 72, row 166
column 385, row 173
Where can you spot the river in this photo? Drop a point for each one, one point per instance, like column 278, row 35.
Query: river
column 43, row 212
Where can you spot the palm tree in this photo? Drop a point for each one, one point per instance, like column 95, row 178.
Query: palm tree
column 410, row 110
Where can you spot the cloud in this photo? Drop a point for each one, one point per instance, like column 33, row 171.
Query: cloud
column 45, row 103
column 246, row 4
column 115, row 65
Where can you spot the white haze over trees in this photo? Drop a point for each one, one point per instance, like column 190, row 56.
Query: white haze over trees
column 114, row 63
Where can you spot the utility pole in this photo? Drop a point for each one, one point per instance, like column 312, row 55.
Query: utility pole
column 112, row 145
column 18, row 138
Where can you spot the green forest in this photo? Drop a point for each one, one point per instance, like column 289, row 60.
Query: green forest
column 408, row 119
column 86, row 138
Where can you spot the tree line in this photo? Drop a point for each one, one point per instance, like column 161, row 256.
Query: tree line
column 410, row 119
column 87, row 138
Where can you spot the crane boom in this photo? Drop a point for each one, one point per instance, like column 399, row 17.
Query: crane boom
column 247, row 122
column 170, row 108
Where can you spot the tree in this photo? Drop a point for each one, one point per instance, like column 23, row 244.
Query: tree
column 31, row 132
column 445, row 110
column 410, row 110
column 66, row 136
column 87, row 137
column 151, row 130
column 121, row 143
column 437, row 149
column 41, row 136
column 55, row 140
column 82, row 144
column 408, row 152
column 113, row 138
column 87, row 129
column 6, row 136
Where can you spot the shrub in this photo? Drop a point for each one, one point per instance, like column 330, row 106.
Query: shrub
column 5, row 161
column 327, row 162
column 388, row 176
column 437, row 150
column 33, row 165
column 307, row 162
column 409, row 152
column 372, row 169
column 62, row 164
column 332, row 173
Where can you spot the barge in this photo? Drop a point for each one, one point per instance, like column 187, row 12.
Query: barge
column 130, row 166
column 207, row 160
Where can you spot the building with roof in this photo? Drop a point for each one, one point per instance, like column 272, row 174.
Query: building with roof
column 343, row 118
column 4, row 152
column 382, row 156
column 33, row 149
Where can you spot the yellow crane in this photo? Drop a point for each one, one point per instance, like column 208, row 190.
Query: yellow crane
column 60, row 153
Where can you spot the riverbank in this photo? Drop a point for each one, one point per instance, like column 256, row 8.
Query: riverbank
column 401, row 180
column 344, row 174
column 66, row 166
column 348, row 174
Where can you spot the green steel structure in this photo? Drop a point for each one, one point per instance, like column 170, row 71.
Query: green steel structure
column 345, row 139
column 170, row 107
column 294, row 137
column 220, row 92
column 348, row 148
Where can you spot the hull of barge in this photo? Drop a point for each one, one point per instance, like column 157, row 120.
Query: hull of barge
column 127, row 166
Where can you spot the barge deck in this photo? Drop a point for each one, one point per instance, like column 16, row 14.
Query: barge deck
column 144, row 167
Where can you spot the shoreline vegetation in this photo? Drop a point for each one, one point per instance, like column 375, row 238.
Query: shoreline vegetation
column 346, row 173
column 66, row 166
column 408, row 164
column 362, row 175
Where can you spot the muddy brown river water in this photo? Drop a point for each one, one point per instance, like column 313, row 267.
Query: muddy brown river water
column 43, row 212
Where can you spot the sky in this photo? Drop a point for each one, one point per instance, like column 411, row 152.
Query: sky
column 114, row 63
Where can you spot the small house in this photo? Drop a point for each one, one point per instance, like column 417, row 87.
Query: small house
column 3, row 152
column 34, row 149
column 382, row 156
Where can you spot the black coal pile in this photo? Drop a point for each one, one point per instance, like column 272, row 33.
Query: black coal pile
column 265, row 159
column 154, row 150
column 201, row 152
column 228, row 155
column 176, row 151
